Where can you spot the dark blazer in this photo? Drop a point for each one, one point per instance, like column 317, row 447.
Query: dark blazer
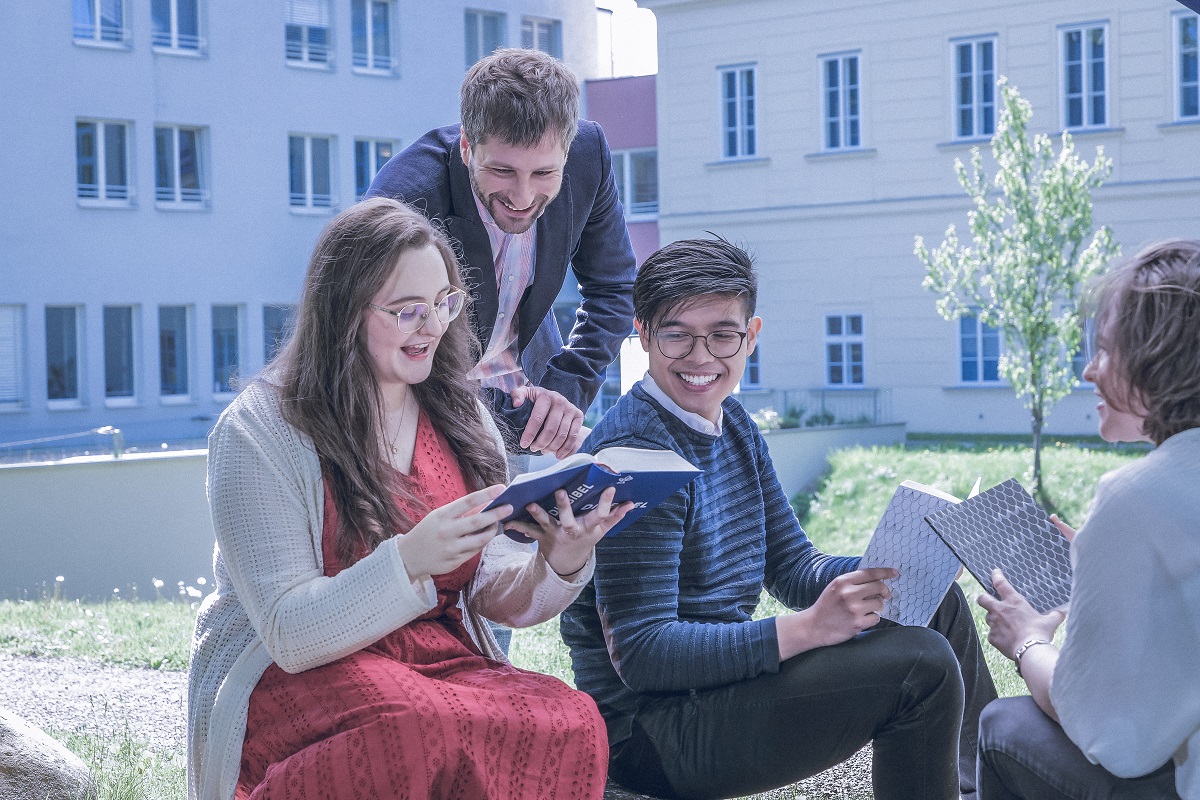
column 584, row 227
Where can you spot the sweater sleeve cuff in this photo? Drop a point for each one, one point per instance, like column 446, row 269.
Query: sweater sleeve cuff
column 768, row 637
column 420, row 592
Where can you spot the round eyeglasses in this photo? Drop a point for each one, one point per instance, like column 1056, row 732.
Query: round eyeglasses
column 720, row 344
column 410, row 318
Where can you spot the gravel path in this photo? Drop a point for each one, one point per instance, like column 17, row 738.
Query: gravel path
column 69, row 694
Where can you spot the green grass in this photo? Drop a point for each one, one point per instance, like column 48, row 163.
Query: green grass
column 155, row 635
column 124, row 767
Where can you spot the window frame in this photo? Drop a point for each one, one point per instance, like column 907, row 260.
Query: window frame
column 375, row 164
column 1086, row 88
column 17, row 357
column 844, row 340
column 978, row 336
column 288, row 311
column 624, row 177
column 196, row 199
column 310, row 204
column 305, row 58
column 173, row 45
column 92, row 35
column 134, row 356
column 746, row 145
column 554, row 32
column 104, row 196
column 752, row 374
column 239, row 349
column 68, row 403
column 188, row 350
column 977, row 83
column 370, row 59
column 843, row 92
column 480, row 44
column 1177, row 51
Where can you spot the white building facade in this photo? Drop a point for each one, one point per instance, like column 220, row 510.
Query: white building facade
column 169, row 165
column 823, row 136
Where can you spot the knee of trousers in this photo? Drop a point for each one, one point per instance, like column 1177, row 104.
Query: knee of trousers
column 927, row 664
column 1003, row 721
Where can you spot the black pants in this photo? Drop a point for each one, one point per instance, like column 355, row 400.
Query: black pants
column 902, row 688
column 1025, row 754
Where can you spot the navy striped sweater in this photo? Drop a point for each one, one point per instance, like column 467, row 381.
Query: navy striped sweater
column 669, row 608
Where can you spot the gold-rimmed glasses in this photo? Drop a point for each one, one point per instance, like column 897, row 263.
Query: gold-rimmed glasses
column 410, row 318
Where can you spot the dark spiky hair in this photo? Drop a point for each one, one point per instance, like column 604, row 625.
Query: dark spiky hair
column 691, row 268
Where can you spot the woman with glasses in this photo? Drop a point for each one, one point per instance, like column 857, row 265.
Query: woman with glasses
column 344, row 652
column 1116, row 711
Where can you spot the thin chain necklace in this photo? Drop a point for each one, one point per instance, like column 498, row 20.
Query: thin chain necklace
column 400, row 427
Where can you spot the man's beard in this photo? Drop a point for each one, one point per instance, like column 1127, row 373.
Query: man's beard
column 497, row 208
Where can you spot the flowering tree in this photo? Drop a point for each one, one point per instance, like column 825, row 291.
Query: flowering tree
column 1031, row 252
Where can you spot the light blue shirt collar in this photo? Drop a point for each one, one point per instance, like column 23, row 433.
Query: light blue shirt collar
column 692, row 420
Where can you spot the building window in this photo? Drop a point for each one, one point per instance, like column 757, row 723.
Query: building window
column 1085, row 79
column 1087, row 348
column 752, row 377
column 1189, row 80
column 12, row 356
column 842, row 107
column 542, row 34
column 176, row 24
column 371, row 30
column 975, row 88
column 738, row 129
column 369, row 156
column 119, row 367
column 177, row 168
column 102, row 161
column 486, row 32
column 100, row 22
column 63, row 346
column 636, row 172
column 278, row 322
column 309, row 171
column 225, row 326
column 979, row 344
column 306, row 33
column 173, row 351
column 844, row 349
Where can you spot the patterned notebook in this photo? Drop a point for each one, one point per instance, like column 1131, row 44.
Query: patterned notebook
column 1003, row 527
column 904, row 541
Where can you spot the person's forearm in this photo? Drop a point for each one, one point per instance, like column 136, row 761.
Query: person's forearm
column 1037, row 668
column 796, row 634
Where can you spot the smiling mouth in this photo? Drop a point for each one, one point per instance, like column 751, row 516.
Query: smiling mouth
column 697, row 380
column 516, row 210
column 416, row 349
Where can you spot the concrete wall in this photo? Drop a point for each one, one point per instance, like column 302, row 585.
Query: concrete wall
column 104, row 523
column 801, row 455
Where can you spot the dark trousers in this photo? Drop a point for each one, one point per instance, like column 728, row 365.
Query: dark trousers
column 900, row 687
column 1025, row 754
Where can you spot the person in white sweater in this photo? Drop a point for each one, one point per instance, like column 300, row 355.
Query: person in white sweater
column 1116, row 712
column 343, row 653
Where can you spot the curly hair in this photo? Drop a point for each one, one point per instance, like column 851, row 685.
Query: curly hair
column 330, row 393
column 1147, row 318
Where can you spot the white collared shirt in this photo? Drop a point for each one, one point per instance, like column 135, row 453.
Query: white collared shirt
column 692, row 420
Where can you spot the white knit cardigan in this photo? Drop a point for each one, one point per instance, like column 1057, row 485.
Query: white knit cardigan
column 273, row 603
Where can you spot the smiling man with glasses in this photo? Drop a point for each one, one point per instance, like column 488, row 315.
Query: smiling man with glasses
column 702, row 700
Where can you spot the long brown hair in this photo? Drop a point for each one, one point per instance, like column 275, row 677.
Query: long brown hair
column 1148, row 321
column 330, row 393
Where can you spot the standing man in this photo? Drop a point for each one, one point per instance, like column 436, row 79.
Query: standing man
column 526, row 188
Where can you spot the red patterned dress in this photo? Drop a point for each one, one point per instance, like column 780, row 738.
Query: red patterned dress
column 420, row 713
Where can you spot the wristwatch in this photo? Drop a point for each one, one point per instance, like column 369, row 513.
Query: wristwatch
column 1028, row 643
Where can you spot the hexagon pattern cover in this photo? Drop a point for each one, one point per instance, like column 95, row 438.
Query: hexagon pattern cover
column 1003, row 527
column 904, row 541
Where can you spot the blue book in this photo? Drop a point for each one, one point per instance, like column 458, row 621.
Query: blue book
column 646, row 477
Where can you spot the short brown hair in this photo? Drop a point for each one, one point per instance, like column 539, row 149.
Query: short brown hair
column 682, row 271
column 519, row 96
column 1148, row 320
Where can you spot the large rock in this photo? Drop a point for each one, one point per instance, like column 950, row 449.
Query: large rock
column 34, row 766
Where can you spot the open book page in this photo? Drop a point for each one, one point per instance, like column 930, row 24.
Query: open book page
column 636, row 459
column 1004, row 527
column 904, row 541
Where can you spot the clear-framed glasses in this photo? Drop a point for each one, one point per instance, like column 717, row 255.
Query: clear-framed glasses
column 410, row 318
column 720, row 344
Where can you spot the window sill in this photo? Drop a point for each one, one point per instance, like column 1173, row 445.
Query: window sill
column 125, row 45
column 65, row 405
column 176, row 400
column 740, row 161
column 1098, row 131
column 632, row 218
column 846, row 387
column 375, row 73
column 14, row 408
column 965, row 141
column 122, row 402
column 312, row 211
column 182, row 52
column 192, row 206
column 1183, row 123
column 90, row 202
column 986, row 386
column 842, row 152
column 312, row 66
